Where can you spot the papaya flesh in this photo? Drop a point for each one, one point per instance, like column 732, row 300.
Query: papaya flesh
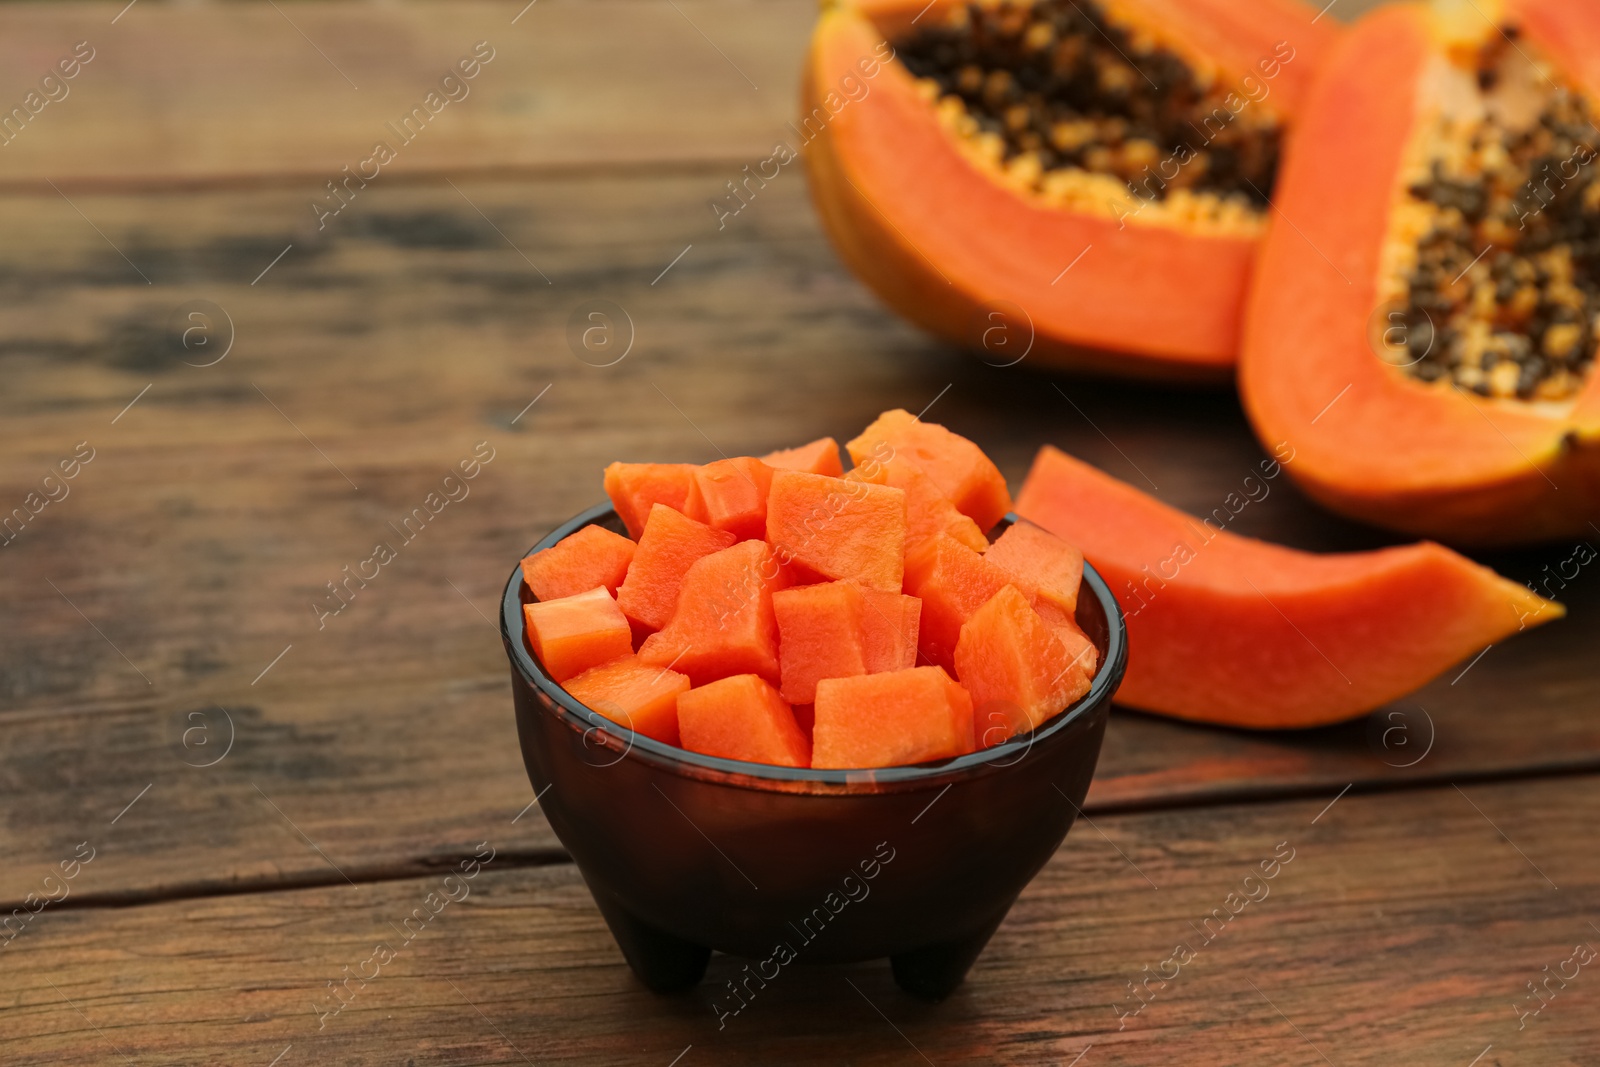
column 1229, row 630
column 838, row 529
column 593, row 556
column 575, row 633
column 819, row 636
column 634, row 488
column 634, row 694
column 724, row 623
column 1040, row 564
column 668, row 546
column 819, row 457
column 952, row 581
column 1016, row 669
column 742, row 718
column 890, row 624
column 928, row 511
column 884, row 720
column 1139, row 135
column 956, row 467
column 1422, row 341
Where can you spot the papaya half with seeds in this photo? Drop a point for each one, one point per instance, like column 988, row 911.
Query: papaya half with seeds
column 1085, row 181
column 1229, row 630
column 1424, row 334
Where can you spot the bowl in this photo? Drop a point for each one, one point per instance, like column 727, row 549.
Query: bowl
column 685, row 853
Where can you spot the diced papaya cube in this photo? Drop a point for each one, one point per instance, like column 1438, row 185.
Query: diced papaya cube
column 846, row 531
column 574, row 633
column 952, row 581
column 636, row 487
column 819, row 636
column 890, row 719
column 743, row 718
column 731, row 494
column 634, row 694
column 956, row 465
column 889, row 626
column 1064, row 625
column 928, row 510
column 819, row 457
column 1017, row 671
column 669, row 545
column 578, row 562
column 724, row 624
column 1043, row 566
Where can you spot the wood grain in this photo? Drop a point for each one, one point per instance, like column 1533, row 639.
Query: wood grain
column 1369, row 947
column 197, row 94
column 252, row 92
column 197, row 539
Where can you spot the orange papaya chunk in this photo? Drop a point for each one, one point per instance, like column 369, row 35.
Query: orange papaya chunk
column 890, row 719
column 819, row 636
column 634, row 694
column 952, row 581
column 1042, row 565
column 841, row 530
column 1079, row 648
column 578, row 562
column 1227, row 629
column 731, row 494
column 743, row 718
column 957, row 466
column 928, row 510
column 724, row 622
column 819, row 457
column 1011, row 662
column 889, row 626
column 574, row 633
column 634, row 488
column 669, row 545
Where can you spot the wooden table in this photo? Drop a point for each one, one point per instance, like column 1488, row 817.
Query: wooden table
column 249, row 794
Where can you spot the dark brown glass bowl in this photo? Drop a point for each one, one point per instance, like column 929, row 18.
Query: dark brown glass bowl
column 686, row 853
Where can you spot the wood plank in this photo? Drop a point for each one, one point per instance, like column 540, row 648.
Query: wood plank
column 196, row 539
column 198, row 94
column 1402, row 930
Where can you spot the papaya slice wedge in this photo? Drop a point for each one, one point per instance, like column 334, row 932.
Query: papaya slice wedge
column 964, row 158
column 1230, row 630
column 1422, row 339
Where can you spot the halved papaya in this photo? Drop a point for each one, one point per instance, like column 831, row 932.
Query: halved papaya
column 1422, row 339
column 1226, row 629
column 965, row 157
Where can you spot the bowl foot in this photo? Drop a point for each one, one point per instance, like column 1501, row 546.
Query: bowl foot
column 934, row 972
column 663, row 962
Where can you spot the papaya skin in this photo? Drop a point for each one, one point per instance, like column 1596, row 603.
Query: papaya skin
column 1369, row 441
column 1238, row 632
column 1152, row 301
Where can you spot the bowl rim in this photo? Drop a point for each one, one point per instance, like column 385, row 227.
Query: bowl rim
column 770, row 776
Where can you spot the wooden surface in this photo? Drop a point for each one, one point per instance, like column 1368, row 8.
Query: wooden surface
column 164, row 605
